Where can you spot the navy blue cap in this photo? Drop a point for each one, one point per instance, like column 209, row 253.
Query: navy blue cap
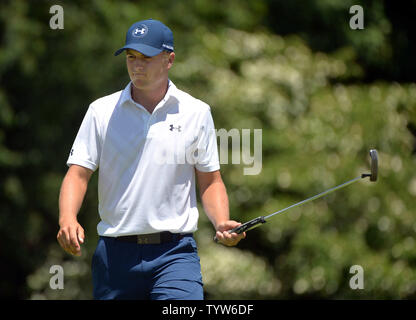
column 149, row 37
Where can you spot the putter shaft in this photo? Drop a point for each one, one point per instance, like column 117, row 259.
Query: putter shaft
column 254, row 223
column 316, row 196
column 260, row 220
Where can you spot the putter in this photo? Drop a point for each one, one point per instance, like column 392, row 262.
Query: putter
column 262, row 219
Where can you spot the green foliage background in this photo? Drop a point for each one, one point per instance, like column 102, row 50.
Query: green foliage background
column 322, row 94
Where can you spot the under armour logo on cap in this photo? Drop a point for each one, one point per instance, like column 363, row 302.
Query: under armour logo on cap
column 149, row 37
column 140, row 32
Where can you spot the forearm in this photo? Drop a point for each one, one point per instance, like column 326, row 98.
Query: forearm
column 215, row 203
column 73, row 189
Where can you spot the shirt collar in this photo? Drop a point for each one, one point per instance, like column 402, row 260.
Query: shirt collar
column 126, row 96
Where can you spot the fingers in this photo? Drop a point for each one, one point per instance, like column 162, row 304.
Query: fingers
column 64, row 240
column 80, row 233
column 229, row 239
column 69, row 238
column 76, row 248
column 228, row 225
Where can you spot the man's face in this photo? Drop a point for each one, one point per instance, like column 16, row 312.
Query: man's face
column 147, row 73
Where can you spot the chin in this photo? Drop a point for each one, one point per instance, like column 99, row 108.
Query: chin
column 139, row 84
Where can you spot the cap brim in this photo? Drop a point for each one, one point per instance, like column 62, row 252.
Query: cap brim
column 142, row 48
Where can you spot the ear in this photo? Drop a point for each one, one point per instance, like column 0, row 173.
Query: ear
column 171, row 58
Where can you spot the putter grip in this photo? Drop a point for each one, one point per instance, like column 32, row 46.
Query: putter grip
column 246, row 226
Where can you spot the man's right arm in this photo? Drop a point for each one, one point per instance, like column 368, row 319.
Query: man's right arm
column 73, row 189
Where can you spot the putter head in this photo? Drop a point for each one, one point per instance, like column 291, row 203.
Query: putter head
column 374, row 164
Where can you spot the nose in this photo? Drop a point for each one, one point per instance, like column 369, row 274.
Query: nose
column 139, row 64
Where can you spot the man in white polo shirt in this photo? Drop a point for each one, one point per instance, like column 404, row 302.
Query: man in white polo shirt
column 150, row 141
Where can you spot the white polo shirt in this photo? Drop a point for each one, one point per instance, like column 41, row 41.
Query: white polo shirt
column 146, row 179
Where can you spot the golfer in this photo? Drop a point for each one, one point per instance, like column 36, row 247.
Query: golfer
column 150, row 142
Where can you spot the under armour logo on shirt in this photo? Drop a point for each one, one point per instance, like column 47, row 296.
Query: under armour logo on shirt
column 175, row 128
column 72, row 152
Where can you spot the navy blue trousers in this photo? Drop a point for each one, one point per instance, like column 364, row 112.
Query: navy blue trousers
column 127, row 270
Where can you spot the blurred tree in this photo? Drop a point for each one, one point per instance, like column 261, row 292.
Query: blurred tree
column 382, row 48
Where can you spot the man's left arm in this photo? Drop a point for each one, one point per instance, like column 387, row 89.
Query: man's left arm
column 215, row 202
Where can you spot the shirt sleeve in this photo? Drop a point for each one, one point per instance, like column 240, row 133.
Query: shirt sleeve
column 207, row 158
column 86, row 149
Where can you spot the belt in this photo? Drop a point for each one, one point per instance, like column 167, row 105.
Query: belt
column 152, row 238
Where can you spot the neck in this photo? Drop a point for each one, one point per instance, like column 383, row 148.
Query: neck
column 151, row 97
